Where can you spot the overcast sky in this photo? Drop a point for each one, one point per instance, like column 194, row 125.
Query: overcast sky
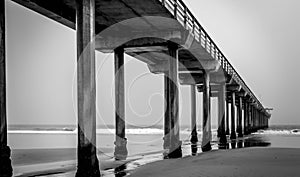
column 259, row 37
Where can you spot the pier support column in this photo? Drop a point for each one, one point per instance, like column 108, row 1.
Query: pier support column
column 194, row 138
column 120, row 139
column 253, row 120
column 88, row 165
column 173, row 103
column 221, row 115
column 245, row 117
column 259, row 120
column 249, row 115
column 233, row 134
column 5, row 153
column 240, row 118
column 227, row 118
column 167, row 124
column 206, row 126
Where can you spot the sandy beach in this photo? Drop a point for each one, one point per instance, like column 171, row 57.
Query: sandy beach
column 247, row 162
column 254, row 155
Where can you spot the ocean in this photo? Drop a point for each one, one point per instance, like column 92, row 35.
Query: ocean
column 64, row 136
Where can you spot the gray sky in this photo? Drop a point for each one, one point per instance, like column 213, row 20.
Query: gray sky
column 259, row 37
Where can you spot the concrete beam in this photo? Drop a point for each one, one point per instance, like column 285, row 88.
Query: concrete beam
column 158, row 67
column 65, row 14
column 111, row 39
column 208, row 65
column 234, row 88
column 198, row 78
column 214, row 94
column 241, row 93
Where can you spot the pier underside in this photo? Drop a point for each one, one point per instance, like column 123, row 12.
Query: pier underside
column 143, row 29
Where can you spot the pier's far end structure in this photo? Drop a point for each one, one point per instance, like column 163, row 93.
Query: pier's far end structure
column 169, row 39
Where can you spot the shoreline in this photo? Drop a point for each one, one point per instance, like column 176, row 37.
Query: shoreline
column 63, row 161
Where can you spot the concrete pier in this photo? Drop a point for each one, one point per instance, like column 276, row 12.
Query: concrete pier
column 227, row 117
column 249, row 117
column 120, row 139
column 5, row 153
column 245, row 117
column 240, row 117
column 194, row 137
column 167, row 125
column 173, row 102
column 221, row 115
column 87, row 164
column 206, row 129
column 233, row 112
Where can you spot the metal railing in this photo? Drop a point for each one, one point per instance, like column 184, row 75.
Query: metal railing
column 184, row 16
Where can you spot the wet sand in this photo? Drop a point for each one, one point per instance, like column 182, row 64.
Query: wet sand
column 246, row 162
column 62, row 162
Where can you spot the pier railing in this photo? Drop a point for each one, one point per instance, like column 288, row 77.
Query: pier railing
column 190, row 23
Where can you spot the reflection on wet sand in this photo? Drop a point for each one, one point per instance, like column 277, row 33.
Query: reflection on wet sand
column 250, row 141
column 194, row 148
column 120, row 171
column 253, row 141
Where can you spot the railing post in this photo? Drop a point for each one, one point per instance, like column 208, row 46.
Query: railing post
column 194, row 30
column 175, row 8
column 185, row 18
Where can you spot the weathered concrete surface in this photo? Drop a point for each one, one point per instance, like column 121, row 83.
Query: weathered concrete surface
column 173, row 103
column 221, row 115
column 206, row 130
column 87, row 164
column 120, row 141
column 233, row 111
column 194, row 138
column 240, row 117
